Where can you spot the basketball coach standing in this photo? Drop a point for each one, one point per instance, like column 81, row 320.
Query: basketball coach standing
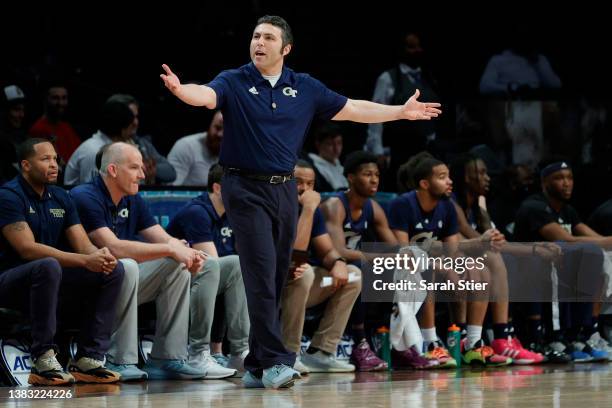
column 267, row 110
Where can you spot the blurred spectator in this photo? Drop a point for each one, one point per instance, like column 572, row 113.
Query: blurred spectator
column 157, row 168
column 328, row 170
column 394, row 87
column 193, row 155
column 518, row 183
column 12, row 130
column 519, row 68
column 521, row 72
column 116, row 125
column 53, row 125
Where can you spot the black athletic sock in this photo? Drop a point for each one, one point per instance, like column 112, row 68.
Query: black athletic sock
column 501, row 331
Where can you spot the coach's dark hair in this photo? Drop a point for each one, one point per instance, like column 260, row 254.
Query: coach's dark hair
column 280, row 23
column 115, row 117
column 215, row 173
column 26, row 149
column 356, row 159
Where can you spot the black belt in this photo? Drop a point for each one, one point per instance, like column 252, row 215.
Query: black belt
column 268, row 178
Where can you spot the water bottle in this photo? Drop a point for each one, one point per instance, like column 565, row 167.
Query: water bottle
column 454, row 343
column 385, row 344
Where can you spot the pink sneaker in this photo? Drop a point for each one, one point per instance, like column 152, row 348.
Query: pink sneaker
column 364, row 358
column 511, row 347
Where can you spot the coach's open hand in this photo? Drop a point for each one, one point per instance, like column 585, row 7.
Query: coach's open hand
column 415, row 110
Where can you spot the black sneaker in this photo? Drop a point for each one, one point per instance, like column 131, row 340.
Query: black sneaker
column 553, row 353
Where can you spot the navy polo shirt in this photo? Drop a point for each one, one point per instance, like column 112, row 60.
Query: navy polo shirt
column 264, row 126
column 405, row 214
column 48, row 216
column 199, row 222
column 96, row 208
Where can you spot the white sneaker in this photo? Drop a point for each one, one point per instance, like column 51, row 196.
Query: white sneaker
column 599, row 343
column 321, row 362
column 236, row 361
column 205, row 362
column 299, row 367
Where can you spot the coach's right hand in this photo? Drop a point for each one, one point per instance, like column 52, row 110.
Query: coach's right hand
column 101, row 261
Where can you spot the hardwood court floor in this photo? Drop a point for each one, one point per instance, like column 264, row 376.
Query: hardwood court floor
column 583, row 386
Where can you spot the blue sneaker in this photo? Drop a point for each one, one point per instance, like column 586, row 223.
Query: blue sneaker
column 250, row 381
column 578, row 352
column 171, row 370
column 279, row 376
column 129, row 372
column 595, row 353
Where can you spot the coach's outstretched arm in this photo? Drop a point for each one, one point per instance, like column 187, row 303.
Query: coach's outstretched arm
column 192, row 94
column 371, row 112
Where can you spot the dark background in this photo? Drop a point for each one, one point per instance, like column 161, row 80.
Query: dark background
column 104, row 48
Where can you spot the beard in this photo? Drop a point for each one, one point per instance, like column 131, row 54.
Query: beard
column 440, row 196
column 556, row 194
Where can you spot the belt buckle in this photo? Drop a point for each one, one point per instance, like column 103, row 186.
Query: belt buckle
column 277, row 179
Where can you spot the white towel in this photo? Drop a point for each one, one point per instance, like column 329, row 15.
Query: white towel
column 404, row 327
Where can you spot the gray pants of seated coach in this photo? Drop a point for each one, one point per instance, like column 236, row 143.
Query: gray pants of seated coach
column 166, row 282
column 219, row 276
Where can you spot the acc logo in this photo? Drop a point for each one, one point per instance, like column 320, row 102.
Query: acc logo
column 226, row 232
column 124, row 213
column 289, row 92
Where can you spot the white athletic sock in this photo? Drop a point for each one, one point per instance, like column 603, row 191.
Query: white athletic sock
column 429, row 336
column 474, row 333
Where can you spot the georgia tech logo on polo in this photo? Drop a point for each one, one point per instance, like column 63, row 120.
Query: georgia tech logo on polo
column 288, row 91
column 226, row 232
column 124, row 213
column 57, row 212
column 253, row 90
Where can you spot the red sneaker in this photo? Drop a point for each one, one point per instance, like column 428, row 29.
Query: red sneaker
column 511, row 347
